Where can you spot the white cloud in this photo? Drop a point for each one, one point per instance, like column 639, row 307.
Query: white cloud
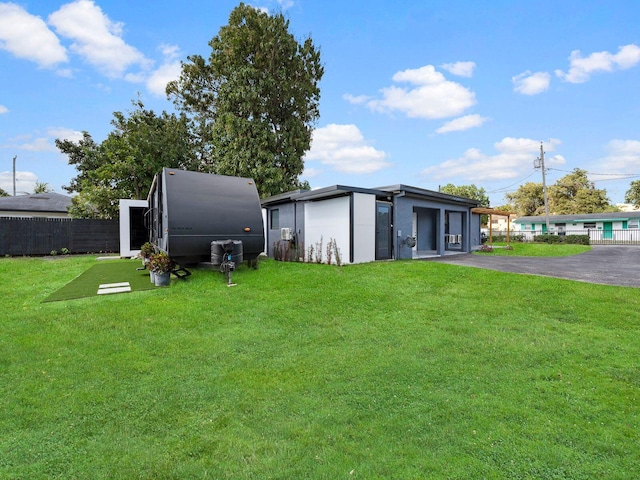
column 65, row 134
column 432, row 97
column 581, row 68
column 25, row 182
column 462, row 123
column 96, row 38
column 344, row 148
column 310, row 172
column 622, row 156
column 514, row 158
column 528, row 83
column 462, row 69
column 27, row 36
column 356, row 100
column 43, row 143
column 3, row 109
column 168, row 71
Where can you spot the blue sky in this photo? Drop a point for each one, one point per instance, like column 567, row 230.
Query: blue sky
column 419, row 93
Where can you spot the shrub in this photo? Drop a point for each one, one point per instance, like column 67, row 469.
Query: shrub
column 486, row 248
column 512, row 238
column 568, row 239
column 577, row 239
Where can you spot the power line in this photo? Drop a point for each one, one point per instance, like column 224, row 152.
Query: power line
column 594, row 173
column 504, row 189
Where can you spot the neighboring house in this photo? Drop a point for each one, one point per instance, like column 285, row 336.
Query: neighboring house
column 502, row 223
column 622, row 226
column 394, row 222
column 48, row 205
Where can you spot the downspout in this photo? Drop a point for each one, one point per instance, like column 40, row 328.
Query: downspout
column 351, row 227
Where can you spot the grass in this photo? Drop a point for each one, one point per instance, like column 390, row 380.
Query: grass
column 536, row 250
column 384, row 370
column 110, row 271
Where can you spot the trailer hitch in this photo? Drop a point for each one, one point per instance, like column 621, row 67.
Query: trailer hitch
column 228, row 265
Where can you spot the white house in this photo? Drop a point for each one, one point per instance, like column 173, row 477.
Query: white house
column 606, row 227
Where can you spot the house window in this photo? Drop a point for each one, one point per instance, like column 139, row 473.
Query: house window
column 590, row 225
column 632, row 224
column 275, row 219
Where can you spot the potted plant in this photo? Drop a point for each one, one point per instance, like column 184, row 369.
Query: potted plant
column 146, row 250
column 161, row 265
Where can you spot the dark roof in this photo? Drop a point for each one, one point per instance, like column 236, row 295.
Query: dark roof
column 423, row 192
column 340, row 190
column 318, row 194
column 39, row 202
column 580, row 217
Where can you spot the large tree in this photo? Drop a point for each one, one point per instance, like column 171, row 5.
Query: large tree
column 468, row 191
column 571, row 194
column 124, row 164
column 254, row 101
column 575, row 193
column 632, row 195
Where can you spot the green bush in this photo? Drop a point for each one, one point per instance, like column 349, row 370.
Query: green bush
column 512, row 238
column 577, row 239
column 569, row 239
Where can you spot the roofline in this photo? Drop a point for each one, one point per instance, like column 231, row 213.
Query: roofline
column 580, row 217
column 423, row 192
column 319, row 194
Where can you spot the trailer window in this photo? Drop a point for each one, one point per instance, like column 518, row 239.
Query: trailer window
column 589, row 225
column 275, row 219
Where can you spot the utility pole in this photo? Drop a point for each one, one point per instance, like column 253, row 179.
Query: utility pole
column 14, row 175
column 539, row 163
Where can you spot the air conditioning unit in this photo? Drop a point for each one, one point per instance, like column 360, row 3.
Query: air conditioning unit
column 285, row 234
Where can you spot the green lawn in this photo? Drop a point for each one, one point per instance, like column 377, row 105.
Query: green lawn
column 405, row 369
column 536, row 249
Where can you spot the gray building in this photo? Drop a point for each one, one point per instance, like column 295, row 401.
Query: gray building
column 393, row 222
column 49, row 205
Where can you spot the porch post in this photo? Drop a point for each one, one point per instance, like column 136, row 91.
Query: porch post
column 440, row 232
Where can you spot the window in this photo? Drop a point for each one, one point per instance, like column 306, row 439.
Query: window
column 589, row 225
column 275, row 219
column 633, row 224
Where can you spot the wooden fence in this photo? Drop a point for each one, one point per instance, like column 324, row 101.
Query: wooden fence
column 42, row 236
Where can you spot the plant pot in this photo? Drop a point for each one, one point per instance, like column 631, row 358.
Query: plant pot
column 163, row 279
column 152, row 276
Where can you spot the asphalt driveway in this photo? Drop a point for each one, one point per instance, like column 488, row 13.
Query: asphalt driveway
column 604, row 264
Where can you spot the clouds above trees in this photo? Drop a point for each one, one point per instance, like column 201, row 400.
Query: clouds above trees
column 80, row 29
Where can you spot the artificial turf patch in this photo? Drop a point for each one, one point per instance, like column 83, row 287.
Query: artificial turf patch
column 88, row 283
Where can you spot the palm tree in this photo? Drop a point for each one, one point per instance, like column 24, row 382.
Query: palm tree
column 41, row 187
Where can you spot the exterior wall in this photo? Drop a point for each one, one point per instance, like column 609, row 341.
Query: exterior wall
column 328, row 220
column 364, row 228
column 620, row 230
column 287, row 219
column 474, row 235
column 125, row 223
column 431, row 225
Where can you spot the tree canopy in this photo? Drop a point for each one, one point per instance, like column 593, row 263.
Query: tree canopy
column 41, row 187
column 3, row 193
column 255, row 100
column 468, row 191
column 632, row 195
column 123, row 165
column 571, row 194
column 527, row 200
